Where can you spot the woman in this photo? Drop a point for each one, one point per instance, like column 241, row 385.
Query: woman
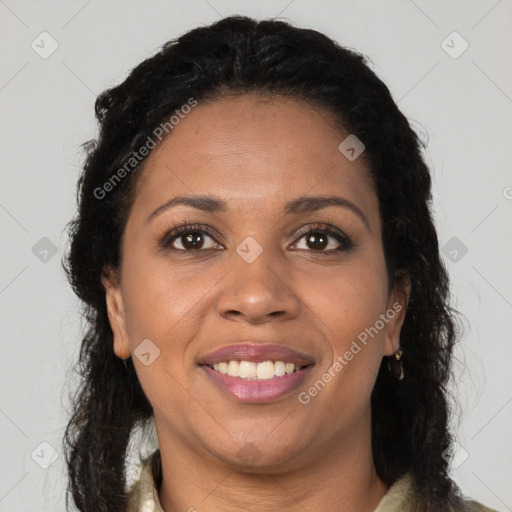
column 262, row 280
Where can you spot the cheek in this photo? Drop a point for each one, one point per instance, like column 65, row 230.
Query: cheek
column 348, row 310
column 161, row 305
column 168, row 305
column 353, row 299
column 160, row 300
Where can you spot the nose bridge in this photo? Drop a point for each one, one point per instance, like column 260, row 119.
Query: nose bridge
column 258, row 288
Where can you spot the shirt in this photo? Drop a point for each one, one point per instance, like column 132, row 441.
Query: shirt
column 400, row 497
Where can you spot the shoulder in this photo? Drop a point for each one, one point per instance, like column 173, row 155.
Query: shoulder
column 402, row 497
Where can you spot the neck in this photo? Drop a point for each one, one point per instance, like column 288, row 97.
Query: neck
column 341, row 477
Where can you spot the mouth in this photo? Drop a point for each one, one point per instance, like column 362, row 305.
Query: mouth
column 256, row 373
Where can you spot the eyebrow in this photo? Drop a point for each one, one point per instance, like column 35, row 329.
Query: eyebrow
column 302, row 204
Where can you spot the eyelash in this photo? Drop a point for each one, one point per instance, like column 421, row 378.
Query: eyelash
column 177, row 231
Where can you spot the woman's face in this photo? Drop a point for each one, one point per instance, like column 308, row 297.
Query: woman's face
column 253, row 286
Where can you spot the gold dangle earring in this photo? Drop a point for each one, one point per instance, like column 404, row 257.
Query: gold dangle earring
column 395, row 364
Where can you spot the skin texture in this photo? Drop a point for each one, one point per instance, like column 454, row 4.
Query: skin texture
column 256, row 154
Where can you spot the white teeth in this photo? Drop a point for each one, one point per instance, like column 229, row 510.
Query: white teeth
column 250, row 370
column 265, row 370
column 279, row 368
column 233, row 368
column 247, row 369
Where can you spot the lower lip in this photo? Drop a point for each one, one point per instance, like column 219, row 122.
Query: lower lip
column 257, row 391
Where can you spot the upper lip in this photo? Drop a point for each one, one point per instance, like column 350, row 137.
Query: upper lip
column 257, row 352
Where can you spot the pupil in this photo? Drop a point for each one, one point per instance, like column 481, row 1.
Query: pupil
column 191, row 240
column 320, row 245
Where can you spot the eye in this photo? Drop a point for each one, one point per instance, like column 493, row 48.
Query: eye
column 317, row 238
column 188, row 238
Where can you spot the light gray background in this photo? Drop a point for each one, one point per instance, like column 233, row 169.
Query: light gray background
column 463, row 105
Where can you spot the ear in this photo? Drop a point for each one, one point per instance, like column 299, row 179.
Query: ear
column 397, row 307
column 115, row 310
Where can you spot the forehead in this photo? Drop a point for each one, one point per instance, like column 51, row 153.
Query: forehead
column 254, row 152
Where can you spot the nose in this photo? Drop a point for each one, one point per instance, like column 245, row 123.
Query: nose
column 258, row 292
